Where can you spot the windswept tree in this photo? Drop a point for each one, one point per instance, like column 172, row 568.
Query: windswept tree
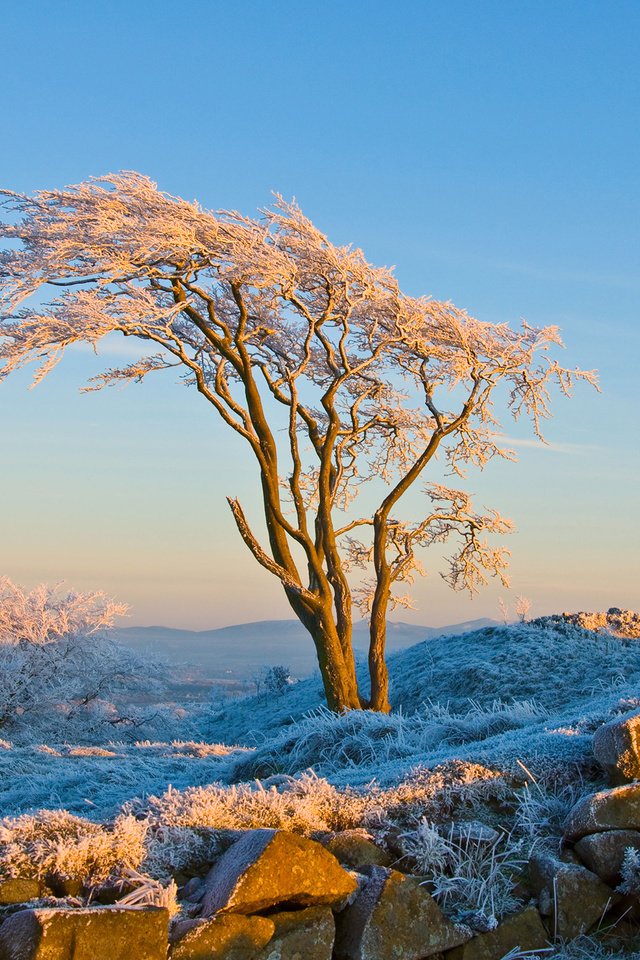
column 266, row 315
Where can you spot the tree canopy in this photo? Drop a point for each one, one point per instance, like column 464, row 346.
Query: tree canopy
column 265, row 313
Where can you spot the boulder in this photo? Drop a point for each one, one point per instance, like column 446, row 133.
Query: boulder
column 271, row 867
column 392, row 915
column 616, row 745
column 603, row 853
column 571, row 895
column 355, row 848
column 20, row 891
column 226, row 937
column 522, row 931
column 615, row 809
column 301, row 935
column 89, row 933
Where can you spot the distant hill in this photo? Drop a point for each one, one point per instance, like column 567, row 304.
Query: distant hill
column 245, row 648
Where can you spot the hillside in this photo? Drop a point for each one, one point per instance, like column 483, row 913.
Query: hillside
column 528, row 693
column 243, row 649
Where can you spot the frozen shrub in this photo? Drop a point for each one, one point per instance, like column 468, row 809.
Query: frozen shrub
column 58, row 666
column 472, row 879
column 630, row 873
column 276, row 680
column 55, row 842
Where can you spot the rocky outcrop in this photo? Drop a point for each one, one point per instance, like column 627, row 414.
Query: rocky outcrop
column 603, row 853
column 355, row 848
column 616, row 746
column 393, row 916
column 522, row 931
column 615, row 809
column 90, row 933
column 571, row 896
column 267, row 868
column 225, row 937
column 20, row 891
column 301, row 935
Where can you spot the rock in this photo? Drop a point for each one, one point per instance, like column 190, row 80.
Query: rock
column 616, row 745
column 615, row 809
column 523, row 931
column 301, row 935
column 393, row 916
column 355, row 848
column 226, row 937
column 469, row 832
column 270, row 867
column 89, row 933
column 193, row 890
column 603, row 853
column 571, row 895
column 20, row 891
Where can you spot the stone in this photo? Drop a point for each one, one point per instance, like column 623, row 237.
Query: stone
column 86, row 933
column 355, row 848
column 472, row 832
column 521, row 931
column 392, row 915
column 20, row 891
column 301, row 935
column 571, row 895
column 616, row 745
column 267, row 868
column 614, row 809
column 603, row 853
column 226, row 937
column 193, row 890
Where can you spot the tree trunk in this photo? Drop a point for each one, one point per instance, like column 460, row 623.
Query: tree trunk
column 337, row 671
column 378, row 673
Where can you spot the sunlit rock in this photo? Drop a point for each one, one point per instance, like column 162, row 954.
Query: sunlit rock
column 616, row 745
column 615, row 809
column 90, row 933
column 301, row 935
column 229, row 936
column 393, row 916
column 270, row 867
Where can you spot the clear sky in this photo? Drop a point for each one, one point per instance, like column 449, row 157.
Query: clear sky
column 489, row 150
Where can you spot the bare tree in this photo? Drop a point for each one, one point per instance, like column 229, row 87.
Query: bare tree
column 523, row 606
column 266, row 314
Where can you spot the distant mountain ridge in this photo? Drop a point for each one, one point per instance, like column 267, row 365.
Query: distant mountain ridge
column 244, row 648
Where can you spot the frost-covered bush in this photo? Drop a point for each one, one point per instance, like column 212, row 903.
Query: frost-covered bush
column 59, row 671
column 329, row 742
column 56, row 842
column 630, row 873
column 473, row 879
column 303, row 804
column 276, row 680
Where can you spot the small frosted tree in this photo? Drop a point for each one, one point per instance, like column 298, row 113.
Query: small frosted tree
column 266, row 314
column 56, row 659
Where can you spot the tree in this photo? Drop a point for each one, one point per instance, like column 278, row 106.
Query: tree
column 57, row 663
column 266, row 314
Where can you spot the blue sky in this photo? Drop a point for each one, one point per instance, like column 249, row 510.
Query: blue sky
column 490, row 151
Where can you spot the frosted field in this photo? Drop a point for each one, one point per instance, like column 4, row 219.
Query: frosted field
column 527, row 694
